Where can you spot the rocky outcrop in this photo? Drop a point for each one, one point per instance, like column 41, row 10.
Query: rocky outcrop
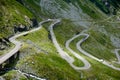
column 20, row 28
column 34, row 22
column 4, row 43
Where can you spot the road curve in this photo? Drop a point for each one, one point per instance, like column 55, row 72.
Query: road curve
column 117, row 55
column 18, row 44
column 86, row 63
column 78, row 45
column 62, row 53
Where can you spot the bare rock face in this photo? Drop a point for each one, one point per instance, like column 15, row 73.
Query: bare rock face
column 4, row 43
column 70, row 11
column 116, row 41
column 34, row 22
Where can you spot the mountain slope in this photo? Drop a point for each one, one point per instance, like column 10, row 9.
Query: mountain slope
column 84, row 14
column 12, row 13
column 38, row 55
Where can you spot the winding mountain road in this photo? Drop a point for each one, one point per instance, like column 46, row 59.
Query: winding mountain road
column 63, row 54
column 18, row 44
column 68, row 58
column 86, row 63
column 78, row 45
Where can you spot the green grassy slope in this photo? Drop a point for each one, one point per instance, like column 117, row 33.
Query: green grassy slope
column 33, row 6
column 47, row 62
column 11, row 12
column 98, row 70
column 14, row 74
column 39, row 56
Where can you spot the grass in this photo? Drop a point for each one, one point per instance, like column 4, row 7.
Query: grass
column 36, row 9
column 14, row 74
column 101, row 71
column 7, row 49
column 11, row 13
column 50, row 65
column 41, row 40
column 99, row 43
column 101, row 50
column 64, row 31
column 78, row 62
column 116, row 64
column 90, row 9
column 98, row 70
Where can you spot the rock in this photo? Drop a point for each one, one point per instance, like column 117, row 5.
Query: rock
column 6, row 39
column 3, row 43
column 34, row 22
column 1, row 78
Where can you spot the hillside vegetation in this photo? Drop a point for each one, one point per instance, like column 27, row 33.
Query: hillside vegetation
column 100, row 19
column 12, row 13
